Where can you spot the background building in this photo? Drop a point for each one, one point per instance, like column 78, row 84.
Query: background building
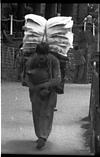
column 78, row 11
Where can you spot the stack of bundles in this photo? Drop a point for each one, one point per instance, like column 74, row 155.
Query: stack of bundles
column 33, row 31
column 57, row 31
column 59, row 34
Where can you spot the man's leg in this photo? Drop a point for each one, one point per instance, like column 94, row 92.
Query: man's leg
column 80, row 73
column 75, row 74
column 43, row 111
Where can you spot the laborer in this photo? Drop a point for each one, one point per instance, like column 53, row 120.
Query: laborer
column 43, row 76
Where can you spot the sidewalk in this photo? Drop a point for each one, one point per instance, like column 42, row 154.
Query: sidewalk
column 18, row 135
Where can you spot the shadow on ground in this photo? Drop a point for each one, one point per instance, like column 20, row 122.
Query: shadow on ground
column 24, row 147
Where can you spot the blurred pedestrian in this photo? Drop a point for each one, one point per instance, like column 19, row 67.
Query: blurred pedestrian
column 19, row 62
column 79, row 61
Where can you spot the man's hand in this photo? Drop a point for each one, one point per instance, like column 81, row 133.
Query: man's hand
column 44, row 85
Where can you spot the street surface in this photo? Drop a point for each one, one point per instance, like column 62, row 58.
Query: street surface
column 17, row 131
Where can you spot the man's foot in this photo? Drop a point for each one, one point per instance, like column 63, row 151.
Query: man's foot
column 40, row 143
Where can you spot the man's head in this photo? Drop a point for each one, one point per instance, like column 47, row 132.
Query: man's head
column 42, row 48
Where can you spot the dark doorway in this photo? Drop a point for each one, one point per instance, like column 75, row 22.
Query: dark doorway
column 50, row 10
column 66, row 9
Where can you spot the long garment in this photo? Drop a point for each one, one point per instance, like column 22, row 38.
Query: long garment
column 43, row 106
column 43, row 111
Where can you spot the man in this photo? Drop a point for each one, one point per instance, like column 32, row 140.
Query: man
column 79, row 61
column 19, row 62
column 42, row 77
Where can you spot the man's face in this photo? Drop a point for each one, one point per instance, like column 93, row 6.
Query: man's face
column 42, row 60
column 42, row 55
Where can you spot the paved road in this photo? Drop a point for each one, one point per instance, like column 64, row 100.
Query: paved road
column 17, row 132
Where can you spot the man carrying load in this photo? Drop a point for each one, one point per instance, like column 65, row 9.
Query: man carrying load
column 42, row 71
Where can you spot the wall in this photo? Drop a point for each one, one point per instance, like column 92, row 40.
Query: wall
column 8, row 68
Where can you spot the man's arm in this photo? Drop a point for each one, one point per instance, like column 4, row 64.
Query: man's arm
column 28, row 67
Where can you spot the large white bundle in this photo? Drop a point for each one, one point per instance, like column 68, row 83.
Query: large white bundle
column 57, row 31
column 59, row 34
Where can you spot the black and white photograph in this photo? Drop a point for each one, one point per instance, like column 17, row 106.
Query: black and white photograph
column 50, row 78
